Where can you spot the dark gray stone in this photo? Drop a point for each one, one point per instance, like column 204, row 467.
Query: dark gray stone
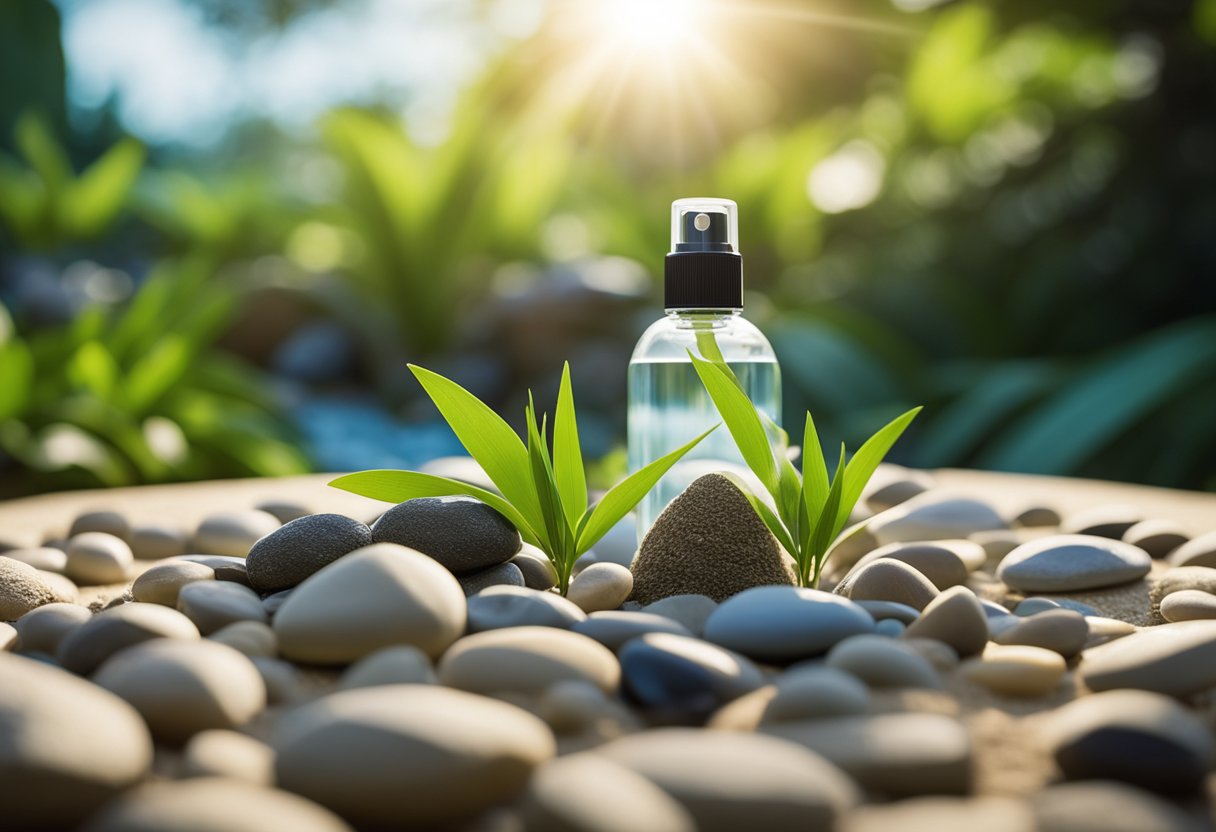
column 682, row 680
column 463, row 534
column 291, row 553
column 505, row 574
column 512, row 606
column 612, row 628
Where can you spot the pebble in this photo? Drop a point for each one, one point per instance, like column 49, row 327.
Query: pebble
column 96, row 558
column 897, row 755
column 222, row 753
column 884, row 610
column 283, row 680
column 284, row 510
column 410, row 755
column 1037, row 517
column 690, row 610
column 784, row 624
column 84, row 648
column 402, row 665
column 226, row 568
column 894, row 484
column 997, row 543
column 61, row 585
column 956, row 618
column 379, row 596
column 291, row 553
column 252, row 638
column 1157, row 537
column 1108, row 807
column 1175, row 659
column 817, row 692
column 1102, row 630
column 41, row 630
column 1033, row 606
column 44, row 558
column 106, row 522
column 212, row 804
column 536, row 567
column 1109, row 521
column 1179, row 578
column 1063, row 631
column 934, row 516
column 158, row 542
column 736, row 780
column 463, row 534
column 601, row 586
column 577, row 707
column 505, row 574
column 939, row 654
column 233, row 533
column 883, row 663
column 68, row 746
column 1016, row 670
column 22, row 589
column 8, row 637
column 613, row 628
column 162, row 583
column 272, row 602
column 215, row 604
column 589, row 793
column 1198, row 552
column 708, row 541
column 677, row 677
column 183, row 687
column 1064, row 563
column 888, row 580
column 890, row 628
column 527, row 660
column 1132, row 736
column 517, row 606
column 939, row 562
column 1188, row 605
column 944, row 814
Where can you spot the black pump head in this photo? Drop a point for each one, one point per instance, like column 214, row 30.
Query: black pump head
column 704, row 269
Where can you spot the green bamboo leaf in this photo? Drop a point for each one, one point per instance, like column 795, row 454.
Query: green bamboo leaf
column 742, row 420
column 488, row 439
column 399, row 486
column 567, row 454
column 861, row 467
column 814, row 469
column 92, row 368
column 545, row 486
column 156, row 372
column 16, row 378
column 825, row 530
column 623, row 496
column 98, row 196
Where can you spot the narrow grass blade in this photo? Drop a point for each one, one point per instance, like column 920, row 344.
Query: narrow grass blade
column 544, row 486
column 399, row 486
column 623, row 496
column 742, row 420
column 814, row 469
column 567, row 454
column 863, row 464
column 487, row 438
column 825, row 529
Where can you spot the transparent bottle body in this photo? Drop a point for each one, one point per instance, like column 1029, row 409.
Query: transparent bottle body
column 668, row 406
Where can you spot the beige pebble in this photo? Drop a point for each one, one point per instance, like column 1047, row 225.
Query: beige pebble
column 158, row 542
column 1102, row 521
column 233, row 533
column 816, row 693
column 1034, row 516
column 527, row 659
column 937, row 561
column 22, row 589
column 96, row 558
column 1061, row 630
column 253, row 638
column 41, row 630
column 107, row 522
column 1201, row 551
column 601, row 586
column 1016, row 670
column 222, row 753
column 888, row 580
column 944, row 814
column 404, row 664
column 44, row 558
column 117, row 628
column 1188, row 605
column 8, row 637
column 1156, row 536
column 162, row 583
column 1177, row 659
column 954, row 617
column 883, row 663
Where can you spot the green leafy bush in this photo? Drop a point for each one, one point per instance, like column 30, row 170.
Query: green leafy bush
column 543, row 494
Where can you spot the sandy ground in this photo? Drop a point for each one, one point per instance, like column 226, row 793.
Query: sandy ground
column 1009, row 760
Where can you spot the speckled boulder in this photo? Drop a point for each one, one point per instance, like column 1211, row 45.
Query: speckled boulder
column 22, row 589
column 463, row 534
column 288, row 555
column 708, row 541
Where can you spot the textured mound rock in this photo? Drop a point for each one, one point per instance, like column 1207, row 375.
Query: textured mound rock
column 708, row 541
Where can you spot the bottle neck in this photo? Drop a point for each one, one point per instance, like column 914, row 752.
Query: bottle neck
column 702, row 318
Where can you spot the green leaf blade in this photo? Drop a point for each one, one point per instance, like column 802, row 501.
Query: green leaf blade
column 399, row 486
column 568, row 454
column 814, row 469
column 742, row 420
column 825, row 529
column 623, row 496
column 863, row 464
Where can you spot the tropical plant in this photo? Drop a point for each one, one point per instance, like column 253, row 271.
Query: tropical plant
column 543, row 494
column 138, row 395
column 811, row 509
column 45, row 204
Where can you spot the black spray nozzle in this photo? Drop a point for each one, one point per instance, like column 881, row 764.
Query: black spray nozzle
column 704, row 231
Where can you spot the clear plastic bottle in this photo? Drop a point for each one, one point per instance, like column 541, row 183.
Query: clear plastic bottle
column 703, row 293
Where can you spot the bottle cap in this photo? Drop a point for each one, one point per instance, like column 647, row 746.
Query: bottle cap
column 704, row 269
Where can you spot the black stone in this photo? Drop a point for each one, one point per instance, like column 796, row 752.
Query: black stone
column 680, row 680
column 463, row 534
column 291, row 553
column 504, row 574
column 1142, row 759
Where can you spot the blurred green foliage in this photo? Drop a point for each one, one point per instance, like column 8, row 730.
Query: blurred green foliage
column 1001, row 211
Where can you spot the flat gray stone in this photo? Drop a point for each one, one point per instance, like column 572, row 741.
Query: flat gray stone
column 785, row 624
column 935, row 516
column 1061, row 630
column 1066, row 563
column 888, row 580
column 215, row 604
column 882, row 662
column 516, row 606
column 612, row 628
column 1175, row 659
column 939, row 562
